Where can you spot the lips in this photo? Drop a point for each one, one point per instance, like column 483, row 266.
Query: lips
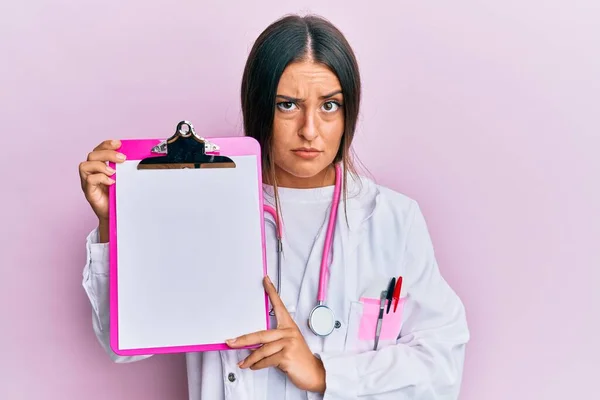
column 306, row 153
column 307, row 150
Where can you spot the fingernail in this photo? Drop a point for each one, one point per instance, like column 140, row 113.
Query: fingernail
column 114, row 142
column 230, row 341
column 121, row 156
column 111, row 181
column 240, row 363
column 110, row 170
column 269, row 279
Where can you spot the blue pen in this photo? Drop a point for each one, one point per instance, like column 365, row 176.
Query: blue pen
column 390, row 294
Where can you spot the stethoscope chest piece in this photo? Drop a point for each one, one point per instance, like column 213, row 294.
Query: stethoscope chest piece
column 321, row 320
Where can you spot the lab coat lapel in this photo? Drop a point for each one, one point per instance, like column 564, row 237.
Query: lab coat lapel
column 360, row 205
column 309, row 286
column 342, row 272
column 342, row 251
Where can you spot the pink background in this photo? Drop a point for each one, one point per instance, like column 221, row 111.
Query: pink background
column 487, row 114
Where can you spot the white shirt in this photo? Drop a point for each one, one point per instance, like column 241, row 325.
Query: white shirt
column 304, row 213
column 420, row 356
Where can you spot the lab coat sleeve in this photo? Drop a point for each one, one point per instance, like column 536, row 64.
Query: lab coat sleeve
column 95, row 283
column 426, row 362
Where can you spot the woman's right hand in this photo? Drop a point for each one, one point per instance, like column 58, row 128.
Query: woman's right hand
column 95, row 179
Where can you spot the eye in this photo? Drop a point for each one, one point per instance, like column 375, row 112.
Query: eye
column 331, row 106
column 286, row 106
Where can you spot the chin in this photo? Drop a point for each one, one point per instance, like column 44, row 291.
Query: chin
column 305, row 170
column 304, row 173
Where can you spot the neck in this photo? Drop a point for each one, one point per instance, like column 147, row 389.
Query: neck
column 323, row 178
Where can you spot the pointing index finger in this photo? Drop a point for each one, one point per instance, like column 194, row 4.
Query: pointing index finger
column 281, row 312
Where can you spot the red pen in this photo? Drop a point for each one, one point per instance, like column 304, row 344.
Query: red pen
column 396, row 297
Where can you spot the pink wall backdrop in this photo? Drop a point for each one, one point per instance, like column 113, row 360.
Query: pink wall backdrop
column 486, row 112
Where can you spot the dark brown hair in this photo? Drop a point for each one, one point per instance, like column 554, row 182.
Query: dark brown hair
column 291, row 39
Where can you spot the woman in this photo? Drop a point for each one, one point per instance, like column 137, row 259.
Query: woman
column 300, row 99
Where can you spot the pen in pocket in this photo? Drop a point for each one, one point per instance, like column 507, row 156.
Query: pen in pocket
column 397, row 290
column 382, row 302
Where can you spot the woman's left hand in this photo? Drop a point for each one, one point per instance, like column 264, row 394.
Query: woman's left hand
column 284, row 348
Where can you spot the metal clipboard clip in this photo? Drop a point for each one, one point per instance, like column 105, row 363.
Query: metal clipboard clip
column 185, row 149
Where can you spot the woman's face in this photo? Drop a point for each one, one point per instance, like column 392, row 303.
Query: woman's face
column 308, row 125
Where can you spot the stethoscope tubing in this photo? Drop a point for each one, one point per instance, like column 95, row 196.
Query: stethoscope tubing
column 324, row 259
column 329, row 237
column 270, row 210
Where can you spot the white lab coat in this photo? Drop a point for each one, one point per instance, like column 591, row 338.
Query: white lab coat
column 385, row 235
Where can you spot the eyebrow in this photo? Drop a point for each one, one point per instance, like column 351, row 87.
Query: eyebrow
column 295, row 99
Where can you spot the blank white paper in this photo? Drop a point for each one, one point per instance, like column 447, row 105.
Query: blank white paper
column 189, row 248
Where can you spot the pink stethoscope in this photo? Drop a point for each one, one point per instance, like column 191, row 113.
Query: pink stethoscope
column 321, row 319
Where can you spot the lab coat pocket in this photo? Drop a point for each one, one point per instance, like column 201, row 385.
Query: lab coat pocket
column 390, row 325
column 363, row 325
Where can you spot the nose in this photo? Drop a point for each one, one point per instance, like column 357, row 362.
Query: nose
column 308, row 130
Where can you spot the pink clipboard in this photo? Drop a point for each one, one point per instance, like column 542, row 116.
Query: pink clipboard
column 140, row 149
